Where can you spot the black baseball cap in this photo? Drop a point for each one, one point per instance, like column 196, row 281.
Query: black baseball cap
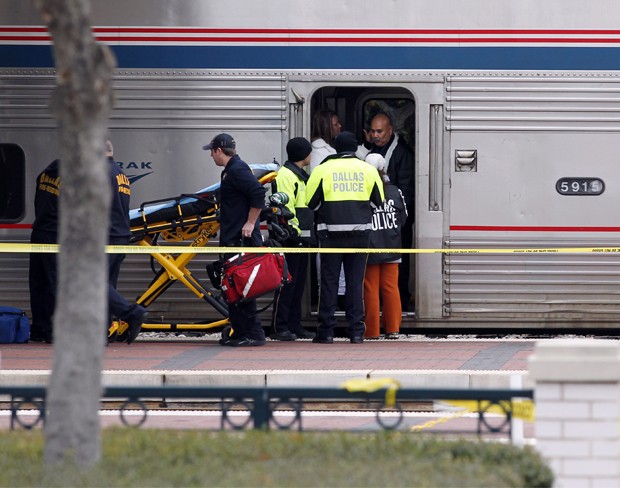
column 222, row 140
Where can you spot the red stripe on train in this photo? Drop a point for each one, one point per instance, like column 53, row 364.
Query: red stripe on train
column 15, row 226
column 207, row 30
column 475, row 228
column 333, row 40
column 182, row 34
column 530, row 228
column 204, row 30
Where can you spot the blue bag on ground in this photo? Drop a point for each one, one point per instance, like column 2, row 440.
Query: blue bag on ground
column 14, row 325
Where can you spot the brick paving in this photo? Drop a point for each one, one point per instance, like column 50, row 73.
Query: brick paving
column 204, row 355
column 462, row 363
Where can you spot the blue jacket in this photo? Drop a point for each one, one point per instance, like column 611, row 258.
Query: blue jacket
column 46, row 200
column 239, row 191
column 120, row 232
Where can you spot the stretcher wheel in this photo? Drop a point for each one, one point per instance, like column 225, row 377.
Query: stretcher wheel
column 123, row 331
column 113, row 332
column 226, row 332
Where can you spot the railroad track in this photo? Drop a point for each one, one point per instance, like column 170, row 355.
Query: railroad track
column 415, row 421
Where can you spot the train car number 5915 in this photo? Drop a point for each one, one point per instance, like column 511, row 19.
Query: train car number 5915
column 580, row 186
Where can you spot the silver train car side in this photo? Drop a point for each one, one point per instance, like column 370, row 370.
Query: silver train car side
column 512, row 110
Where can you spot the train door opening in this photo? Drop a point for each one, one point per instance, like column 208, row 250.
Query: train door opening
column 356, row 107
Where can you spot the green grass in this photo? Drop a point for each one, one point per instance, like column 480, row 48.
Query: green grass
column 154, row 458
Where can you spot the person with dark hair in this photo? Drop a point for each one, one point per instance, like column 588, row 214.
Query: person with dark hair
column 325, row 127
column 242, row 198
column 399, row 167
column 291, row 180
column 343, row 191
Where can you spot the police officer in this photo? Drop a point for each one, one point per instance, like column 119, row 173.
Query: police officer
column 42, row 271
column 343, row 191
column 382, row 139
column 381, row 279
column 120, row 234
column 291, row 179
column 242, row 198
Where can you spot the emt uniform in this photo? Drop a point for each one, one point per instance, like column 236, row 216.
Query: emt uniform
column 42, row 273
column 240, row 191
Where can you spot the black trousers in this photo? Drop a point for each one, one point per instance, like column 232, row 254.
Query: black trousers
column 42, row 281
column 354, row 265
column 287, row 308
column 118, row 305
column 245, row 321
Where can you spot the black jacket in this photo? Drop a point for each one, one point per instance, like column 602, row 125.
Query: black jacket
column 387, row 223
column 48, row 191
column 46, row 200
column 400, row 168
column 119, row 232
column 239, row 191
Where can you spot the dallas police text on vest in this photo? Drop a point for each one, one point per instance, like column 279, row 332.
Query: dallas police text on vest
column 348, row 181
column 385, row 217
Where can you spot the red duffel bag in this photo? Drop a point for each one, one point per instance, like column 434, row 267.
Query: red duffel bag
column 249, row 275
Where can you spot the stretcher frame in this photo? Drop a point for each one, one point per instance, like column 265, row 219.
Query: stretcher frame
column 196, row 230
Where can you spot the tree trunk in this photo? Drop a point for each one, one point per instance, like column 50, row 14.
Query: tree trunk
column 81, row 103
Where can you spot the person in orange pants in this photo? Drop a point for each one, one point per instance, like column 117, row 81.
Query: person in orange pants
column 381, row 281
column 381, row 278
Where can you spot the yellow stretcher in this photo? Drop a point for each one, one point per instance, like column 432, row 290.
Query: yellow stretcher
column 191, row 219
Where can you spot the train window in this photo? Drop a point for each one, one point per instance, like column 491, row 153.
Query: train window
column 12, row 183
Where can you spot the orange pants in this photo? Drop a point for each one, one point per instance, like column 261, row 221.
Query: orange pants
column 382, row 280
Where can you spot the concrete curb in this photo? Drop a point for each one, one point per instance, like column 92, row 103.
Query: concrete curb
column 466, row 379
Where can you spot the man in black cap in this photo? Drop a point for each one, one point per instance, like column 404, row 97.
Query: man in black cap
column 242, row 198
column 291, row 179
column 343, row 191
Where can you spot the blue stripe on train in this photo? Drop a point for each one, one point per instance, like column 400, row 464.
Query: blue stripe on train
column 337, row 57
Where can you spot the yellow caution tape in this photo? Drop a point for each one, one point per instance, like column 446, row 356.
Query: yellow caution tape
column 521, row 409
column 370, row 385
column 434, row 422
column 14, row 247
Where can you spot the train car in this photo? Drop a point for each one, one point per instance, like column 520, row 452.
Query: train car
column 512, row 109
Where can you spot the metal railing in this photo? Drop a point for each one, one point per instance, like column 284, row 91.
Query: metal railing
column 260, row 403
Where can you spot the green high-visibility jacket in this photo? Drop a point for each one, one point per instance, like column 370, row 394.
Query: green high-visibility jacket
column 343, row 191
column 291, row 179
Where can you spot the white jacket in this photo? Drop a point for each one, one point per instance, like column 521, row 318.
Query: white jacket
column 320, row 150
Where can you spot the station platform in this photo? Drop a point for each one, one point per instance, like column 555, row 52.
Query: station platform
column 415, row 361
